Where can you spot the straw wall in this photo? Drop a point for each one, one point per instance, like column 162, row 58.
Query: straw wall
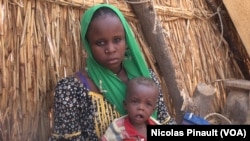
column 40, row 44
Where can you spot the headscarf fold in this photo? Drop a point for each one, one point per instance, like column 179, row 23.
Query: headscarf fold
column 134, row 63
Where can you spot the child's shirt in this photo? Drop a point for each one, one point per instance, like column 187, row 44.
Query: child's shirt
column 122, row 130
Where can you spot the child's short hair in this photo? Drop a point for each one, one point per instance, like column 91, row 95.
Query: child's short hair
column 140, row 81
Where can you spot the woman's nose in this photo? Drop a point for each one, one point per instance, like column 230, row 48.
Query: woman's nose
column 111, row 48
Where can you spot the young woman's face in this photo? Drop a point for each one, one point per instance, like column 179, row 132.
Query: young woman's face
column 106, row 38
column 141, row 103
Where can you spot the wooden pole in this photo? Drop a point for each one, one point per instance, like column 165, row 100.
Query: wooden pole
column 154, row 36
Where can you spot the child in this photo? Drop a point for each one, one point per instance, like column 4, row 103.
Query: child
column 140, row 103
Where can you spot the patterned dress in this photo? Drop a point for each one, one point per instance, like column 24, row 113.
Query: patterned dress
column 81, row 114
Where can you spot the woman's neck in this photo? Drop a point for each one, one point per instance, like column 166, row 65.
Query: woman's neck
column 123, row 76
column 119, row 71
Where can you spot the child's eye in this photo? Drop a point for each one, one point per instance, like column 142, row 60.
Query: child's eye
column 100, row 43
column 134, row 101
column 149, row 104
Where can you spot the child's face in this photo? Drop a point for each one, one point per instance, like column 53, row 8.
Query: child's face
column 141, row 103
column 106, row 33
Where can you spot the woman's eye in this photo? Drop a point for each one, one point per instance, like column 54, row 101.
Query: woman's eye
column 117, row 40
column 100, row 43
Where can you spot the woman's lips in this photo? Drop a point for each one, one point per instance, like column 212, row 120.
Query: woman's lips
column 113, row 61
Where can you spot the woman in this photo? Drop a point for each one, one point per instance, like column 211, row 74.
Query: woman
column 86, row 103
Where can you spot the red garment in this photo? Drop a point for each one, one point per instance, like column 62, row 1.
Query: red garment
column 132, row 132
column 122, row 129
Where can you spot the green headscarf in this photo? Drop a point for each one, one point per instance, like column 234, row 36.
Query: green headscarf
column 134, row 63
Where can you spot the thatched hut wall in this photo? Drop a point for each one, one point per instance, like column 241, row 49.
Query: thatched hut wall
column 40, row 44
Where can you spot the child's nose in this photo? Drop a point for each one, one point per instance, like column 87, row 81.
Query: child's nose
column 141, row 106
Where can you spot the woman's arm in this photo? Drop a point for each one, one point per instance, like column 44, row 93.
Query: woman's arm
column 163, row 115
column 72, row 111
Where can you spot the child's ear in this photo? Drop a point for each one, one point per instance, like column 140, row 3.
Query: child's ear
column 125, row 104
column 155, row 107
